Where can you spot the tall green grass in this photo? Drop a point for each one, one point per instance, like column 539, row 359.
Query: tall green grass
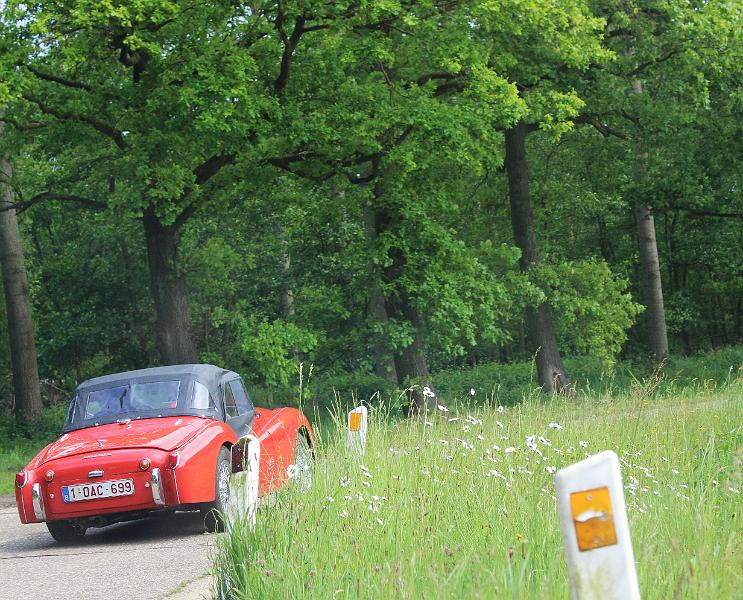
column 459, row 506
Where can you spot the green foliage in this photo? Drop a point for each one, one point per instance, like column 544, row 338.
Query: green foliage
column 592, row 307
column 266, row 157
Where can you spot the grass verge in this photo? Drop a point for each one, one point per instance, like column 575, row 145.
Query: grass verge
column 462, row 505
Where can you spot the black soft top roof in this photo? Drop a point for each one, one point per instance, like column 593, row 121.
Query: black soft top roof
column 208, row 375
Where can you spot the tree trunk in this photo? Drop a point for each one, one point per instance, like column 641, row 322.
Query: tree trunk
column 550, row 369
column 649, row 264
column 169, row 292
column 651, row 282
column 410, row 362
column 17, row 304
column 286, row 293
column 384, row 363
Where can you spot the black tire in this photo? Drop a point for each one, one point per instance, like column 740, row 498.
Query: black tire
column 214, row 512
column 66, row 532
column 304, row 462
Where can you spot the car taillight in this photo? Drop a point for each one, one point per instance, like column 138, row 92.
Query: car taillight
column 173, row 459
column 48, row 476
column 144, row 464
column 21, row 478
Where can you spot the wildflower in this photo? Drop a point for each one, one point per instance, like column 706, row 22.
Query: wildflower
column 499, row 424
column 479, row 437
column 449, row 457
column 330, row 498
column 472, row 391
column 344, row 481
column 429, row 424
column 366, row 483
column 291, row 471
column 554, row 425
column 428, row 392
column 448, row 551
column 675, row 471
column 583, row 444
column 445, row 442
column 442, row 408
column 343, row 515
column 496, row 447
column 545, row 441
column 380, row 522
column 465, row 428
column 532, row 445
column 473, row 421
column 550, row 469
column 394, row 451
column 500, row 409
column 510, row 449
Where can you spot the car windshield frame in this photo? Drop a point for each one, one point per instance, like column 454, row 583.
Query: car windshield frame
column 131, row 408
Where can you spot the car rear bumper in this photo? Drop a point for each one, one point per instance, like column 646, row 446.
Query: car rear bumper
column 154, row 488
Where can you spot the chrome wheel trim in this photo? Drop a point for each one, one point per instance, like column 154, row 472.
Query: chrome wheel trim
column 223, row 483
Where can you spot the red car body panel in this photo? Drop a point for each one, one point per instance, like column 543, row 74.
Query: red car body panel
column 185, row 449
column 277, row 432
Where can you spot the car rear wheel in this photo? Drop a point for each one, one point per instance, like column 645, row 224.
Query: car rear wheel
column 66, row 532
column 304, row 462
column 214, row 513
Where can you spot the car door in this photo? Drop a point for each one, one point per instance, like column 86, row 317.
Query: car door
column 239, row 415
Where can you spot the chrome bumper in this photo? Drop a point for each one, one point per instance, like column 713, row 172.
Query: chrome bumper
column 38, row 502
column 157, row 487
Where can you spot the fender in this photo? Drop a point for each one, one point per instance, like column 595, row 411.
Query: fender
column 197, row 460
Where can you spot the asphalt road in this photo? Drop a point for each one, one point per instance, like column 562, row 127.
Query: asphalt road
column 139, row 560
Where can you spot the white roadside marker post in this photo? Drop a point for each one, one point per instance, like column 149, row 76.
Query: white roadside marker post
column 595, row 530
column 252, row 466
column 357, row 423
column 244, row 485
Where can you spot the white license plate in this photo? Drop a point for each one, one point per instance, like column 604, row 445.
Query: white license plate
column 93, row 491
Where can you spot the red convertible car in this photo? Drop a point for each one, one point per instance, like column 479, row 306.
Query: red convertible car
column 160, row 439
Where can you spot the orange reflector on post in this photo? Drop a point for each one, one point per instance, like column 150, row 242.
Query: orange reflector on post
column 354, row 423
column 593, row 518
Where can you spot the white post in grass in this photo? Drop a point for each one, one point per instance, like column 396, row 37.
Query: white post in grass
column 244, row 484
column 357, row 422
column 595, row 531
column 252, row 466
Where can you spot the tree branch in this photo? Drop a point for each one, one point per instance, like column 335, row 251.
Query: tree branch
column 116, row 135
column 695, row 212
column 602, row 128
column 52, row 196
column 290, row 43
column 78, row 85
column 26, row 126
column 211, row 166
column 650, row 63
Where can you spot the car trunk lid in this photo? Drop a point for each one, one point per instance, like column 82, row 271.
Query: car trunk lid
column 163, row 433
